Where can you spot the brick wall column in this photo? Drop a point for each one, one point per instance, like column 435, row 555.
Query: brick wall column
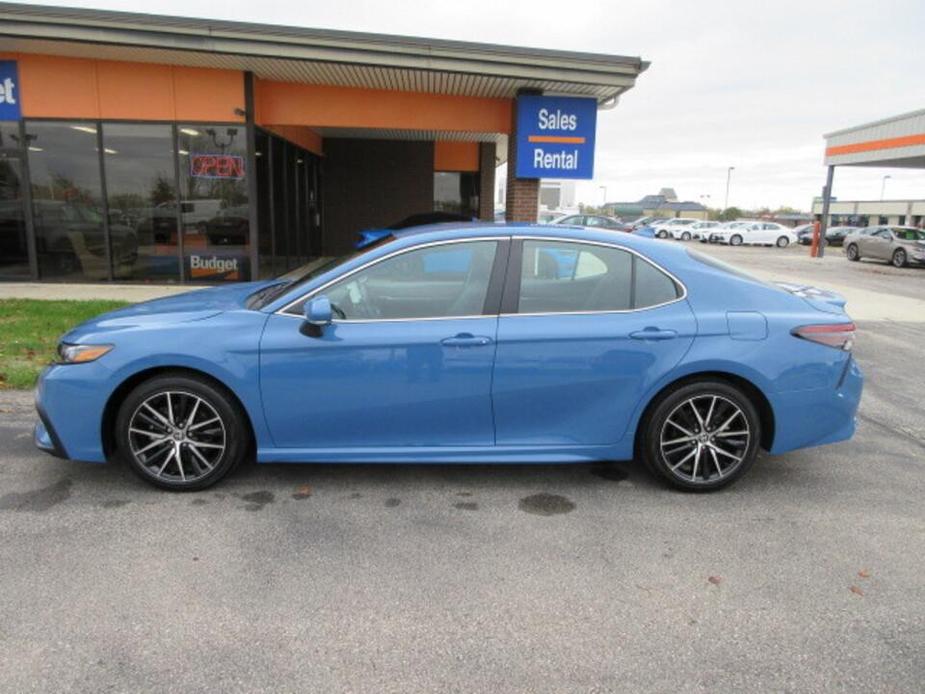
column 522, row 198
column 487, row 181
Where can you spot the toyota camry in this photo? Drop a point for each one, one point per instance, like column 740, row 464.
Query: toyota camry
column 462, row 343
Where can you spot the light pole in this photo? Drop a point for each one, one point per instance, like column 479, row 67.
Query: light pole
column 883, row 186
column 728, row 178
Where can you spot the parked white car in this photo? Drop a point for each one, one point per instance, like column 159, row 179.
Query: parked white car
column 678, row 228
column 715, row 234
column 701, row 230
column 756, row 234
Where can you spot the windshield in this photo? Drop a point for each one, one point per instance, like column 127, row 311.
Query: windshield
column 306, row 273
column 909, row 234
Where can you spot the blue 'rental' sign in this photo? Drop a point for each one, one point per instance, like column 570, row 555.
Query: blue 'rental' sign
column 555, row 136
column 9, row 91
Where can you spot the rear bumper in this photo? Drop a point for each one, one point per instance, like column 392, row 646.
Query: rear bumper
column 805, row 418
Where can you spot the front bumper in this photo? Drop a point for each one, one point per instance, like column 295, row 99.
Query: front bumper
column 70, row 400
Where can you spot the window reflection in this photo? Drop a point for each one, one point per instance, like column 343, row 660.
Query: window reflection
column 214, row 212
column 14, row 249
column 67, row 203
column 141, row 193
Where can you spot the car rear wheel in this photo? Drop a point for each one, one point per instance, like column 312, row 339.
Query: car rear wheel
column 702, row 436
column 181, row 432
column 736, row 240
column 686, row 236
column 899, row 258
column 852, row 251
column 662, row 234
column 783, row 242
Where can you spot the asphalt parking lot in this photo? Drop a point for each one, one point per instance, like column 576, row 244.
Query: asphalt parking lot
column 807, row 575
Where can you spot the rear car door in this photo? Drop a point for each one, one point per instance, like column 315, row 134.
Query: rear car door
column 577, row 350
column 407, row 361
column 880, row 244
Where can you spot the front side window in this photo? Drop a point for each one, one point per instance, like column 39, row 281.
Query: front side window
column 442, row 281
column 566, row 277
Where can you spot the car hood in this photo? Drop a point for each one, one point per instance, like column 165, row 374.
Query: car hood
column 181, row 308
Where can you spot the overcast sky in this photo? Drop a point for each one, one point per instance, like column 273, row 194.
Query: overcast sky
column 732, row 82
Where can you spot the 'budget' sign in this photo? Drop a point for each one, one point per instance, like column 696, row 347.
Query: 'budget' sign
column 9, row 91
column 555, row 137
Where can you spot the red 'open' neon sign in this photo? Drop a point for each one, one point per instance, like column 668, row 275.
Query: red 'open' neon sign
column 216, row 166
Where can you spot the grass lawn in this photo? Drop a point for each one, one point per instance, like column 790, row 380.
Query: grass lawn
column 29, row 332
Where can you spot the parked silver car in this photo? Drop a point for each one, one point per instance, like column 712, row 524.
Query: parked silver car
column 896, row 244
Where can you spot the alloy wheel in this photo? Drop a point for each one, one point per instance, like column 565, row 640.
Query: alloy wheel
column 899, row 258
column 176, row 436
column 704, row 439
column 735, row 240
column 783, row 242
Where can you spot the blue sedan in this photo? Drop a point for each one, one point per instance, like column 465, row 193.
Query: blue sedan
column 463, row 344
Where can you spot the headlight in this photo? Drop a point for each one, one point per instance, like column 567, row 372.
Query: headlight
column 80, row 354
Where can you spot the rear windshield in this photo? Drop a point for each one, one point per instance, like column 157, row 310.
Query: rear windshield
column 716, row 264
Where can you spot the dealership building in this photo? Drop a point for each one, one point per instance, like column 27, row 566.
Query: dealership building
column 164, row 149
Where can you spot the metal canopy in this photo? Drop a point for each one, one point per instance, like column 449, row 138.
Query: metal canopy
column 898, row 141
column 316, row 56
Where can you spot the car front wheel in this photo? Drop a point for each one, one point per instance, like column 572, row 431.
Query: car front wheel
column 686, row 236
column 181, row 432
column 852, row 252
column 899, row 258
column 701, row 436
column 662, row 234
column 783, row 242
column 735, row 240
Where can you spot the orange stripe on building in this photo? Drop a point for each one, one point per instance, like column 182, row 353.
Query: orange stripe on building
column 873, row 145
column 62, row 87
column 557, row 139
column 456, row 156
column 317, row 105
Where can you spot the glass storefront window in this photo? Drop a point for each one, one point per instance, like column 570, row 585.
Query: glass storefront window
column 142, row 199
column 214, row 211
column 456, row 192
column 14, row 249
column 67, row 201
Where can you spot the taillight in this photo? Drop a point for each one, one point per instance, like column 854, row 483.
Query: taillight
column 837, row 335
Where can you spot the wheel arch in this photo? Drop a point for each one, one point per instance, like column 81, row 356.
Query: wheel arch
column 760, row 400
column 118, row 395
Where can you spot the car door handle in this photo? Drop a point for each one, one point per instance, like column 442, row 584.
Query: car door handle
column 466, row 340
column 653, row 334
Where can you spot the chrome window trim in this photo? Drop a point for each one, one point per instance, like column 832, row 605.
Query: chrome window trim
column 516, row 237
column 284, row 311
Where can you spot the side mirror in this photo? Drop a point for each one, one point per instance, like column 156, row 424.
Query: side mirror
column 318, row 311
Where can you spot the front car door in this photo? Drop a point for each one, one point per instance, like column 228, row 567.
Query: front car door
column 880, row 244
column 407, row 360
column 577, row 350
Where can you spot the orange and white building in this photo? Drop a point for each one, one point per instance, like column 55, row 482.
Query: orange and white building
column 146, row 148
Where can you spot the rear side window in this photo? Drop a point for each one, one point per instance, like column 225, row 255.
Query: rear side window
column 566, row 277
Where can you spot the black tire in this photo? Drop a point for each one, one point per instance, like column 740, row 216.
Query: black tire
column 662, row 234
column 783, row 242
column 235, row 431
column 735, row 240
column 671, row 404
column 852, row 252
column 899, row 258
column 686, row 236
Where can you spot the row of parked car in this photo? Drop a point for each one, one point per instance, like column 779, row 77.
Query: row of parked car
column 899, row 245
